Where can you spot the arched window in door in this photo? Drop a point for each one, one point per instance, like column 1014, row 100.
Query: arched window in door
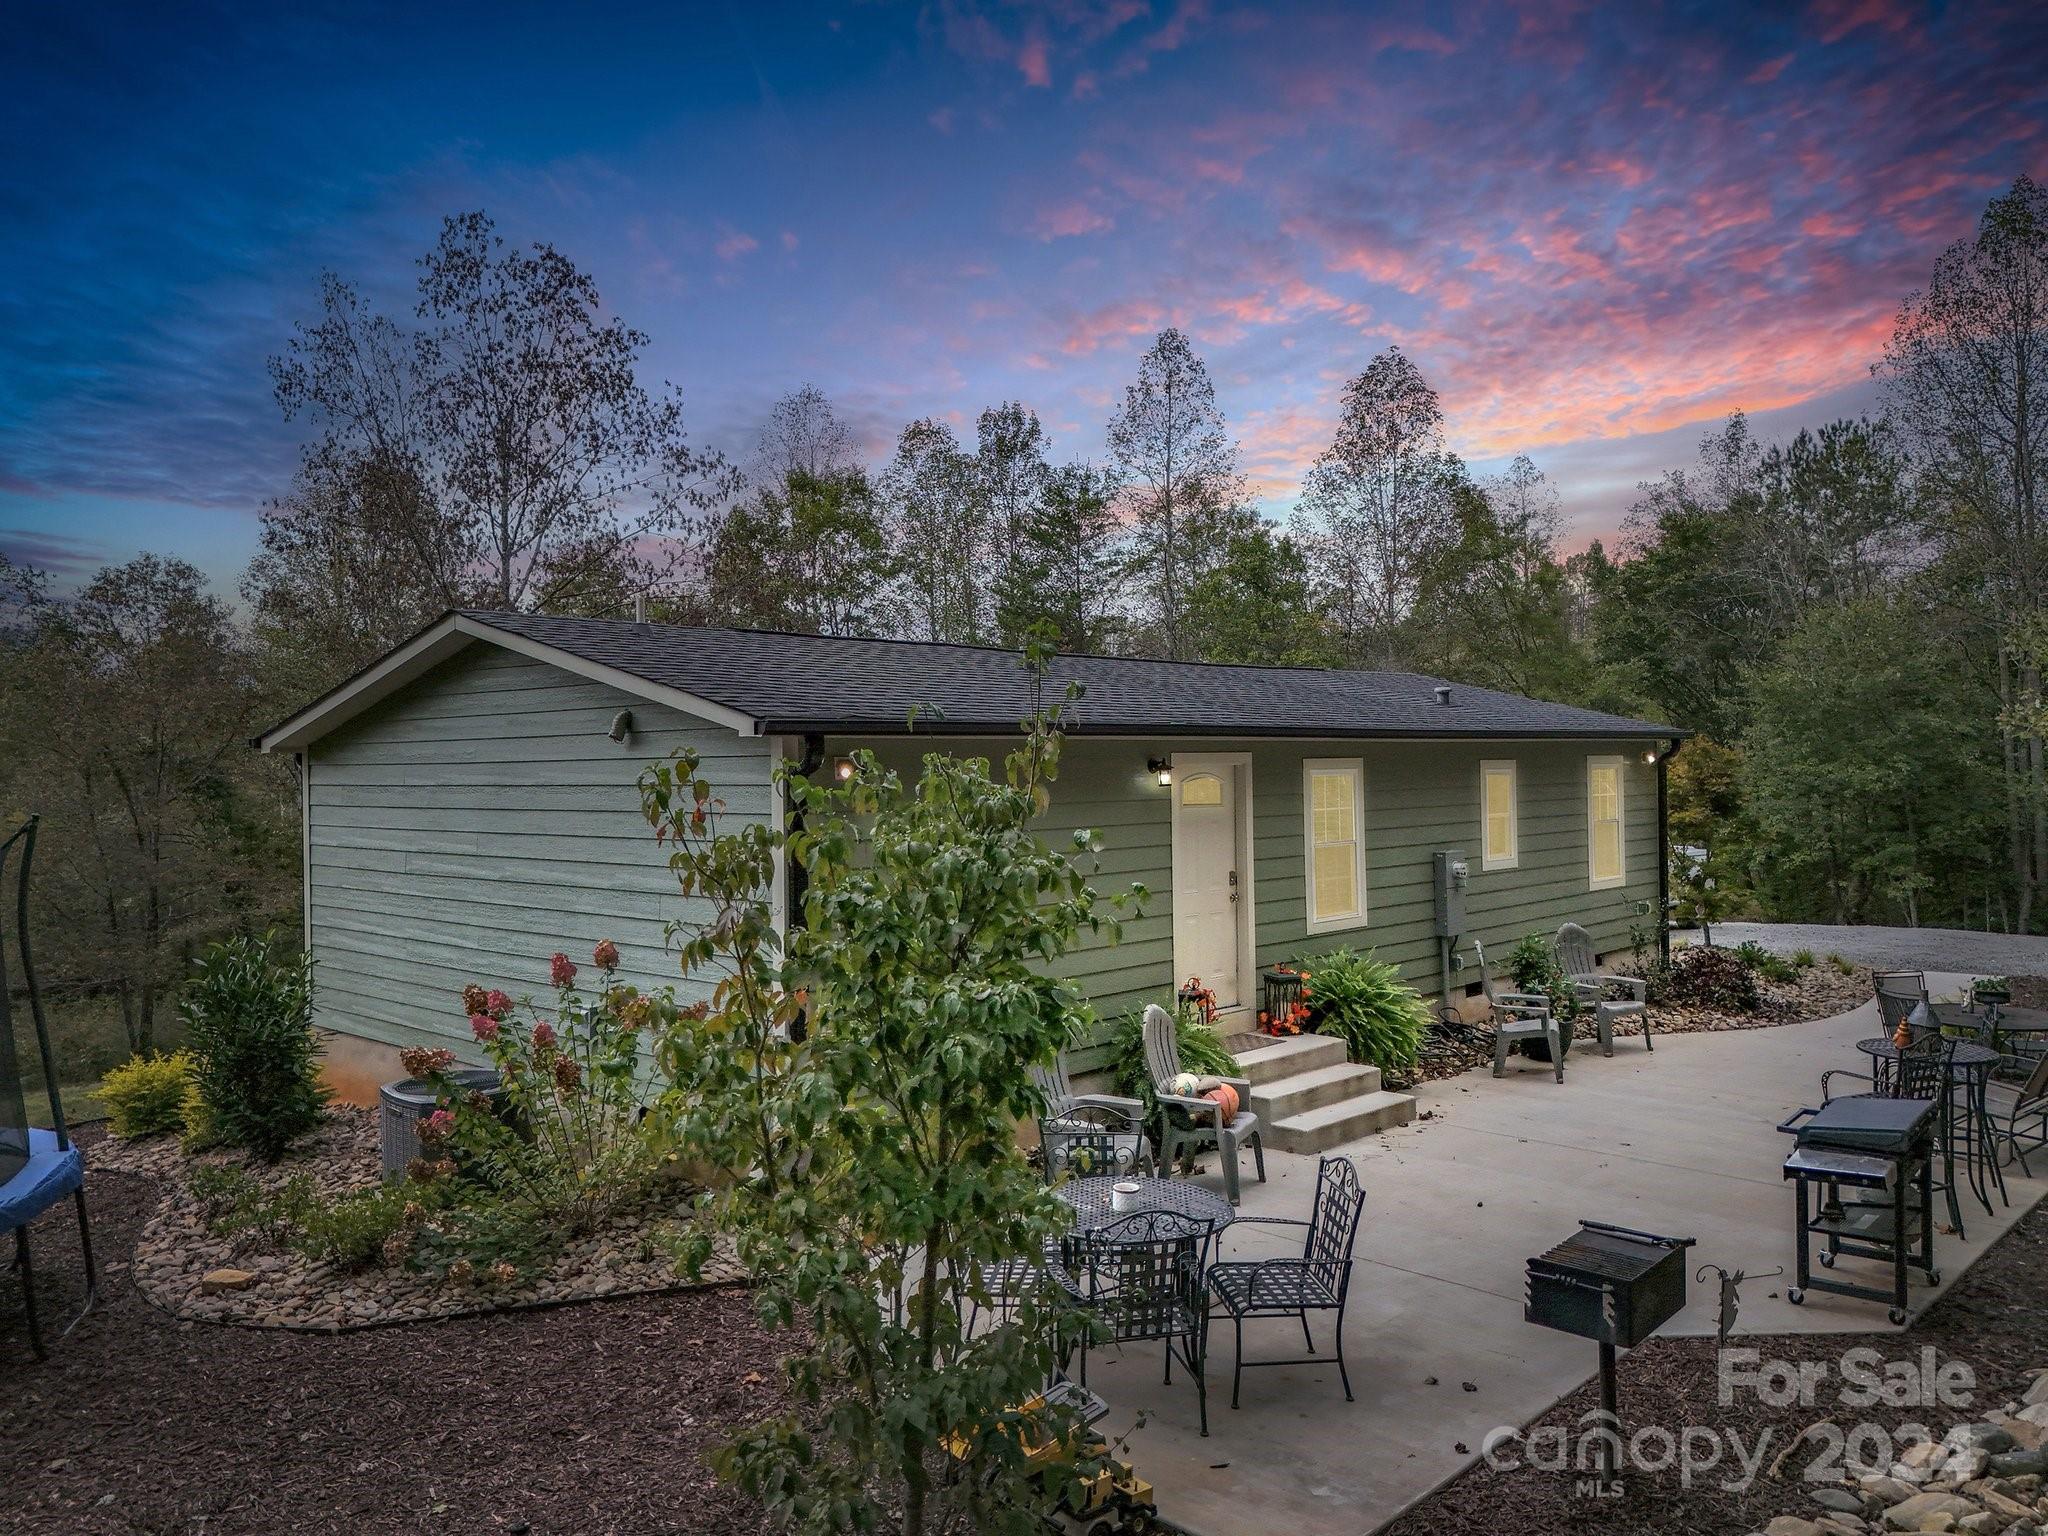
column 1201, row 789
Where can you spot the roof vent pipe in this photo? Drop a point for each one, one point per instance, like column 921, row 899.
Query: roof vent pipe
column 639, row 607
column 1443, row 694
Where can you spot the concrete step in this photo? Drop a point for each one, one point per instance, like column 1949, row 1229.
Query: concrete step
column 1301, row 1091
column 1283, row 1056
column 1317, row 1130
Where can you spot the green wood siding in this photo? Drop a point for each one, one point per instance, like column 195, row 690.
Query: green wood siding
column 1419, row 797
column 479, row 820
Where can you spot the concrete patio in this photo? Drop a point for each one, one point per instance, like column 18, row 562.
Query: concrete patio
column 1681, row 1141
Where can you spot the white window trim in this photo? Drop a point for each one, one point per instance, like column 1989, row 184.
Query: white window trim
column 1593, row 880
column 1310, row 767
column 1513, row 857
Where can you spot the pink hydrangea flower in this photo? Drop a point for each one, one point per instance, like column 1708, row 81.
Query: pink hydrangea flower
column 497, row 1004
column 606, row 955
column 483, row 1026
column 425, row 1061
column 562, row 970
column 436, row 1126
column 543, row 1036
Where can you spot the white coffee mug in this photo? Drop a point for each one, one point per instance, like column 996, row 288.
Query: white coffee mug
column 1122, row 1197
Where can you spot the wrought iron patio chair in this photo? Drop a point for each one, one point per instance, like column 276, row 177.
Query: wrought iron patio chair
column 1898, row 994
column 38, row 1167
column 1055, row 1083
column 2018, row 1109
column 1090, row 1140
column 1596, row 992
column 1142, row 1278
column 1517, row 1016
column 1921, row 1072
column 1189, row 1122
column 1318, row 1281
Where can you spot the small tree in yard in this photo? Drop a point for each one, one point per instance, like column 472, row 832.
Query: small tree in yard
column 876, row 1174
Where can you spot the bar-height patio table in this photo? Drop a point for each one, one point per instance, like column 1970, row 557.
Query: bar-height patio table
column 2006, row 1026
column 1969, row 1073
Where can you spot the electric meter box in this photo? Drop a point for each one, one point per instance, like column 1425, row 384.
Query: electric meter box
column 1452, row 875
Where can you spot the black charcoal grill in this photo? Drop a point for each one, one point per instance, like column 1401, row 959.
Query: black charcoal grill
column 1614, row 1286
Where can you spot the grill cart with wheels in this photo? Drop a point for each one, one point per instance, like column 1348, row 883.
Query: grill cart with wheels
column 1884, row 1147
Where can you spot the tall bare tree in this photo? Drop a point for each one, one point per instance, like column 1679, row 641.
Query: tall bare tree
column 502, row 441
column 1181, row 484
column 1966, row 382
column 803, row 434
column 1378, row 505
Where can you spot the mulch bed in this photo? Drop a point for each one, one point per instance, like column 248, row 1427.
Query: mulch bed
column 593, row 1418
column 178, row 1247
column 1995, row 1321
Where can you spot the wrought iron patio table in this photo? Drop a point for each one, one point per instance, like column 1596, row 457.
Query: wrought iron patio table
column 2006, row 1025
column 1093, row 1208
column 1969, row 1073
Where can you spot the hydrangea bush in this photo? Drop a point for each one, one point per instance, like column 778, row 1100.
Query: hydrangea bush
column 569, row 1145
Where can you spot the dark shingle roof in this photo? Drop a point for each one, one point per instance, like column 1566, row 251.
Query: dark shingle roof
column 798, row 683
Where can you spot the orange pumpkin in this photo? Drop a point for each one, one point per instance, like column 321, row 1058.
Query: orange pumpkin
column 1226, row 1096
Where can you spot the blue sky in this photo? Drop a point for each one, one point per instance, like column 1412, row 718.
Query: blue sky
column 1597, row 230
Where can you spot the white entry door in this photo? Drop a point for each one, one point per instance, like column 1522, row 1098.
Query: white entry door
column 1211, row 892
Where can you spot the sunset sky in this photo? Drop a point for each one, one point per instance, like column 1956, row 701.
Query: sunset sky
column 1596, row 229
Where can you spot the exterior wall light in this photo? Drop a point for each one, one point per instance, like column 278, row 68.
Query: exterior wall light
column 842, row 769
column 1162, row 768
column 1650, row 756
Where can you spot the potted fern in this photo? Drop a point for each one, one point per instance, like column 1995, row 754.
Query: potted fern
column 1365, row 1003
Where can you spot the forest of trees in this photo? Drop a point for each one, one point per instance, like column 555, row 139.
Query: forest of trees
column 1852, row 620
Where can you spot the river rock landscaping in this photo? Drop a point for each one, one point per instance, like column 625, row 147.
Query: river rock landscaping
column 186, row 1266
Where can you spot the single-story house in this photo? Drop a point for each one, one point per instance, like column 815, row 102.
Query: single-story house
column 470, row 805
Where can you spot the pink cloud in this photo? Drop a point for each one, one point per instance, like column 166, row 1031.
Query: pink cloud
column 735, row 243
column 1111, row 323
column 1838, row 18
column 1828, row 225
column 1065, row 221
column 1032, row 62
column 1768, row 71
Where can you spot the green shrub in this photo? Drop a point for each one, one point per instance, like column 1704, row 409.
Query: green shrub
column 1843, row 967
column 1706, row 977
column 355, row 1230
column 1533, row 967
column 1365, row 1003
column 222, row 1193
column 146, row 1096
column 249, row 1026
column 1201, row 1052
column 1767, row 965
column 1802, row 959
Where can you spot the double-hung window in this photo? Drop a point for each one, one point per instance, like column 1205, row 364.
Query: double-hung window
column 1605, row 852
column 1333, row 789
column 1499, row 818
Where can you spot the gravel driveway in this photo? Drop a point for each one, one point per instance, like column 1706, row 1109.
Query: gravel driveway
column 1903, row 949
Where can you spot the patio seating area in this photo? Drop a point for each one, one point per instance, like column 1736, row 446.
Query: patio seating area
column 1435, row 1350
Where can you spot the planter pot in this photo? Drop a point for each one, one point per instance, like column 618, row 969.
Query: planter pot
column 1539, row 1050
